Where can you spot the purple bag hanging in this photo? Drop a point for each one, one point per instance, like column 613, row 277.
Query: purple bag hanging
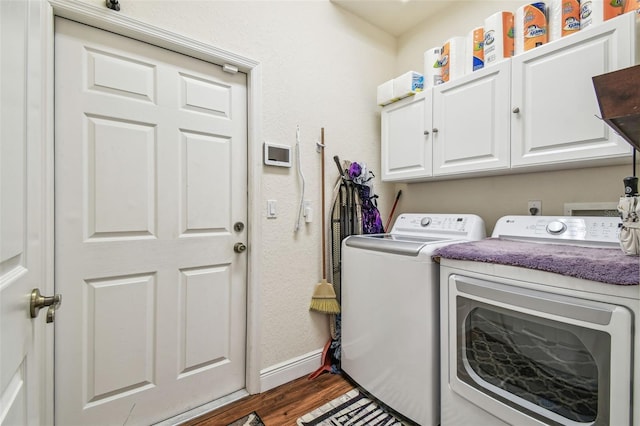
column 361, row 177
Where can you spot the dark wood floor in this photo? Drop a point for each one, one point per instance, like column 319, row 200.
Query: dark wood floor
column 283, row 405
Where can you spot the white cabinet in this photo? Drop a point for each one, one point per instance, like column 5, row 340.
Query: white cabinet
column 535, row 111
column 553, row 100
column 471, row 122
column 406, row 141
column 454, row 128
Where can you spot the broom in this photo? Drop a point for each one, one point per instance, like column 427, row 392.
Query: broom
column 324, row 296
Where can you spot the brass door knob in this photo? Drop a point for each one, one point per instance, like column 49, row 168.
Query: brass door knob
column 38, row 301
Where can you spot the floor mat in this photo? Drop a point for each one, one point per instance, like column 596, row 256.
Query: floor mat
column 252, row 419
column 354, row 409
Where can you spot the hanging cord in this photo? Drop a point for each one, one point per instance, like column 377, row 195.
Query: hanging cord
column 299, row 165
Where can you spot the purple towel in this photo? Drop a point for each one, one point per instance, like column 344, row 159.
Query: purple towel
column 604, row 265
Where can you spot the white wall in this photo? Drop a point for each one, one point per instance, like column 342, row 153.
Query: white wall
column 457, row 20
column 493, row 197
column 320, row 68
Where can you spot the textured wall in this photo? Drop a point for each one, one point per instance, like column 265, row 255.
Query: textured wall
column 497, row 196
column 493, row 197
column 320, row 68
column 457, row 20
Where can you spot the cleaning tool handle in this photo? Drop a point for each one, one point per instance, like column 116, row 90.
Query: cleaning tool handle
column 324, row 248
column 395, row 203
column 340, row 171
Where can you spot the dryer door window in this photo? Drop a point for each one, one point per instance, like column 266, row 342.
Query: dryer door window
column 550, row 357
column 542, row 362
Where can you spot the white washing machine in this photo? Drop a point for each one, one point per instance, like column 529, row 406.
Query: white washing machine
column 390, row 310
column 539, row 326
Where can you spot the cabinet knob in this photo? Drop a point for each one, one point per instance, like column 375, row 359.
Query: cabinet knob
column 426, row 133
column 434, row 130
column 516, row 110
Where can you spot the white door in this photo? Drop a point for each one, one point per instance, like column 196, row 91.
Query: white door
column 150, row 159
column 23, row 389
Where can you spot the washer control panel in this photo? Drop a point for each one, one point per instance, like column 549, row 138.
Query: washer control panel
column 565, row 229
column 440, row 225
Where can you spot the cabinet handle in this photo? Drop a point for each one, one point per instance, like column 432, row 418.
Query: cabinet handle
column 516, row 110
column 426, row 133
column 434, row 130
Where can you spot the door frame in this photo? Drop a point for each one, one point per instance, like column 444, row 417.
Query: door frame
column 109, row 20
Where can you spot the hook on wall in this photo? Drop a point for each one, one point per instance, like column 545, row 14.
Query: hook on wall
column 113, row 4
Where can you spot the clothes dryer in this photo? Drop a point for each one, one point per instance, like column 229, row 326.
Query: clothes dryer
column 539, row 325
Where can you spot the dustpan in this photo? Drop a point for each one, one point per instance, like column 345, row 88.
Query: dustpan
column 324, row 296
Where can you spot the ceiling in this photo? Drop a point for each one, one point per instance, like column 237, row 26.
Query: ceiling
column 393, row 16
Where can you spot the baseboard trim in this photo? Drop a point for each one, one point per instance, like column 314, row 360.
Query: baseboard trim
column 270, row 378
column 203, row 409
column 289, row 370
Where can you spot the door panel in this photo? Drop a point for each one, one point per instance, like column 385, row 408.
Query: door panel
column 201, row 347
column 22, row 351
column 150, row 178
column 113, row 370
column 201, row 185
column 121, row 174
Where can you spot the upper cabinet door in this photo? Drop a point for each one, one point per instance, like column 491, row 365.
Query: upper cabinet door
column 406, row 139
column 471, row 122
column 554, row 108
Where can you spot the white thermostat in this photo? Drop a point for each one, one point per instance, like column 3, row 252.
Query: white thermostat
column 277, row 155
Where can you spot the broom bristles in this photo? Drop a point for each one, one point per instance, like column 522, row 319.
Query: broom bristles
column 324, row 299
column 327, row 306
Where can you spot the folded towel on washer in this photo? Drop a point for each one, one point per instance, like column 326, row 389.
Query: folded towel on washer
column 606, row 265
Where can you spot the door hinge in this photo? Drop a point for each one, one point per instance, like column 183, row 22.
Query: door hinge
column 230, row 69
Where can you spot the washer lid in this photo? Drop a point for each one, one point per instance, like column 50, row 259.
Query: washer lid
column 396, row 244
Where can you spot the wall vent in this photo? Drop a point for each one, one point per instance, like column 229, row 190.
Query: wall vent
column 591, row 209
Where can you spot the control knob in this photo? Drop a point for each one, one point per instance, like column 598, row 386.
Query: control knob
column 556, row 227
column 425, row 221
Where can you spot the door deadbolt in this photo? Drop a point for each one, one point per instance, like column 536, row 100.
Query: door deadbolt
column 238, row 226
column 38, row 301
column 239, row 247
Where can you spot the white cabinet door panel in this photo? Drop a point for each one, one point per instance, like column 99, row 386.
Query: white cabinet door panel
column 553, row 93
column 471, row 122
column 406, row 143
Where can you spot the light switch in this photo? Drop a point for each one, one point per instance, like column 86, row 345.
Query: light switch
column 271, row 209
column 307, row 212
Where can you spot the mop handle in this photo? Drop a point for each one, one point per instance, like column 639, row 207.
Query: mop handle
column 340, row 171
column 324, row 254
column 393, row 210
